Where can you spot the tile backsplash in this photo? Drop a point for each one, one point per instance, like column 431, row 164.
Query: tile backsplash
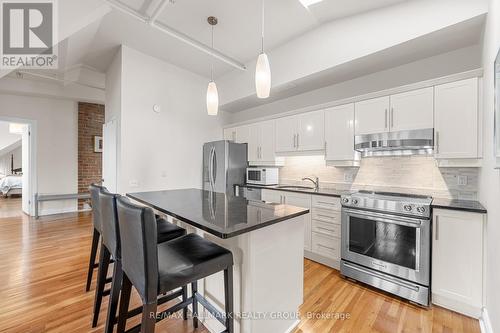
column 408, row 174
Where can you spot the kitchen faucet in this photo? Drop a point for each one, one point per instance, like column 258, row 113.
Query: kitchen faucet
column 315, row 182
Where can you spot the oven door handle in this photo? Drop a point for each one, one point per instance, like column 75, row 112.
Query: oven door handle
column 383, row 277
column 411, row 222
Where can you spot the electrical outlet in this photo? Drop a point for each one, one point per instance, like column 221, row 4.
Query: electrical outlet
column 462, row 180
column 163, row 174
column 133, row 183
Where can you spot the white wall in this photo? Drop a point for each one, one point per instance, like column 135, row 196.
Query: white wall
column 57, row 144
column 160, row 150
column 489, row 177
column 433, row 67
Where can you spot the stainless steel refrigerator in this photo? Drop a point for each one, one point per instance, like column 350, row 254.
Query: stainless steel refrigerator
column 224, row 165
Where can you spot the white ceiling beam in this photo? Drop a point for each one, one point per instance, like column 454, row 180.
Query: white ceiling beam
column 158, row 10
column 176, row 34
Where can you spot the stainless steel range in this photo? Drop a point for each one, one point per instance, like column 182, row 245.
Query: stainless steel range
column 386, row 242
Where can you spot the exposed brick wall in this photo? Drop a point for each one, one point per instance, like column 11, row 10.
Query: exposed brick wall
column 90, row 121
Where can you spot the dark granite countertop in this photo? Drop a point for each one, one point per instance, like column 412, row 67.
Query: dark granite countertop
column 465, row 205
column 321, row 191
column 219, row 214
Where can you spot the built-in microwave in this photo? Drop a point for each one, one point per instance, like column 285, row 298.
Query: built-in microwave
column 262, row 176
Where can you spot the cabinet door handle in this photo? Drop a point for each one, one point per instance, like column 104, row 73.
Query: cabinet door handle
column 392, row 117
column 436, row 234
column 294, row 140
column 297, row 140
column 327, row 247
column 328, row 231
column 385, row 118
column 326, row 216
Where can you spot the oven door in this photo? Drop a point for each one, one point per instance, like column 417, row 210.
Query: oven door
column 392, row 244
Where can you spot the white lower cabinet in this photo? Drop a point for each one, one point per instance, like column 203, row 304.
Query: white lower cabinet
column 458, row 261
column 322, row 225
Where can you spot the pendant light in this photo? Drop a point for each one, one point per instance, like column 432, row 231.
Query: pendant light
column 212, row 94
column 262, row 69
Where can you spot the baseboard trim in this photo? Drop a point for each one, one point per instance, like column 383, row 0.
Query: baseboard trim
column 293, row 327
column 333, row 263
column 485, row 323
column 54, row 211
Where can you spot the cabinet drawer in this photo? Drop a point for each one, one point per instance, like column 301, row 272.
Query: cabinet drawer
column 325, row 228
column 326, row 246
column 321, row 201
column 325, row 215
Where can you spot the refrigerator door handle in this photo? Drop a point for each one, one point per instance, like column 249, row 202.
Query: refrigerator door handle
column 210, row 167
column 214, row 168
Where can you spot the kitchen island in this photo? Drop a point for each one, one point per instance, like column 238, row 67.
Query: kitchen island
column 267, row 242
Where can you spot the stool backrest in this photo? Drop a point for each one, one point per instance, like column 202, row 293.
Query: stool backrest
column 94, row 199
column 109, row 220
column 139, row 252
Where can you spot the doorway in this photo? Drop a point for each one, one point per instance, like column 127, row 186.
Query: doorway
column 17, row 171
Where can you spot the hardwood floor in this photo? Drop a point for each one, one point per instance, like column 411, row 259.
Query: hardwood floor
column 10, row 207
column 42, row 289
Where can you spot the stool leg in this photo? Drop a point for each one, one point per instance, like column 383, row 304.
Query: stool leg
column 194, row 289
column 93, row 253
column 184, row 298
column 113, row 298
column 228, row 293
column 104, row 258
column 148, row 317
column 124, row 302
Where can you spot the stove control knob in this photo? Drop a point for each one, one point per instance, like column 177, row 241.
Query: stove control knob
column 407, row 208
column 421, row 209
column 355, row 201
column 345, row 200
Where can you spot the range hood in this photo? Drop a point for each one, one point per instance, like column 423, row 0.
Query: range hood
column 411, row 142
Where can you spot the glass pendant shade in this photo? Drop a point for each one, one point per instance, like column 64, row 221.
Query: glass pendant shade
column 263, row 76
column 212, row 99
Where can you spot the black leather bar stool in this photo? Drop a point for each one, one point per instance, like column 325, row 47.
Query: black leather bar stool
column 96, row 221
column 154, row 269
column 110, row 248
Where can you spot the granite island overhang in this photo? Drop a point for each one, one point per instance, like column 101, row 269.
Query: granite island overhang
column 267, row 242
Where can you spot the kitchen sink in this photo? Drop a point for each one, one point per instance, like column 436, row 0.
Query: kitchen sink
column 291, row 187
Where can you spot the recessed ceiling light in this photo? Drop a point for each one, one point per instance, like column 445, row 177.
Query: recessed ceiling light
column 307, row 3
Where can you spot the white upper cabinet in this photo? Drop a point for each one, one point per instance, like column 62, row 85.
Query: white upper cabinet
column 339, row 135
column 267, row 147
column 286, row 134
column 406, row 111
column 372, row 116
column 242, row 134
column 254, row 141
column 238, row 134
column 311, row 134
column 304, row 132
column 412, row 110
column 261, row 145
column 230, row 134
column 456, row 120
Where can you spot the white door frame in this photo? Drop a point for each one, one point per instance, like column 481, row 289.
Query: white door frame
column 33, row 177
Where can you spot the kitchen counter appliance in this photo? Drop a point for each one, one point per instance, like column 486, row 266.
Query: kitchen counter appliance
column 386, row 242
column 262, row 176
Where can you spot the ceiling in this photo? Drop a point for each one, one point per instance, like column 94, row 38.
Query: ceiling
column 6, row 138
column 236, row 35
column 446, row 40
